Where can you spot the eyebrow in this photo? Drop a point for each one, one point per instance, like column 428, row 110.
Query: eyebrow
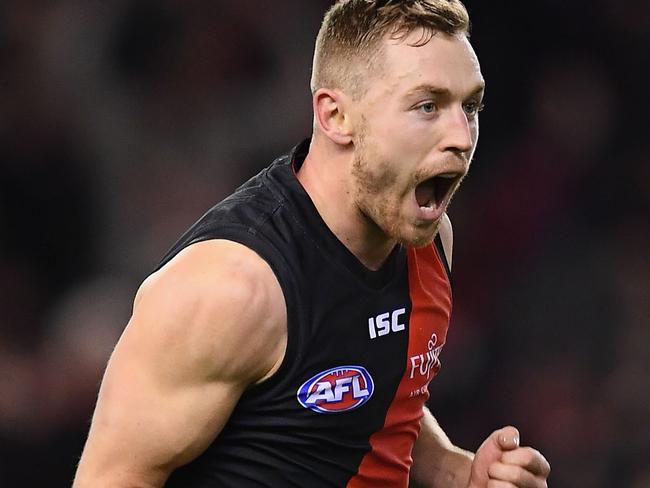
column 442, row 92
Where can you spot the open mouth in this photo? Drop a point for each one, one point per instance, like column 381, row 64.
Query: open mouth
column 435, row 192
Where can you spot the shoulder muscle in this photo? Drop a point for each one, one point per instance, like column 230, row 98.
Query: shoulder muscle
column 204, row 327
column 219, row 304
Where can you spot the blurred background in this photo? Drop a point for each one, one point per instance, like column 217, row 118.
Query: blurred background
column 122, row 121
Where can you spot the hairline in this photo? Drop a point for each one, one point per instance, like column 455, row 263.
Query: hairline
column 378, row 49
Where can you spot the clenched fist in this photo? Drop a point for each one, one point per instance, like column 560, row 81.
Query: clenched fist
column 501, row 463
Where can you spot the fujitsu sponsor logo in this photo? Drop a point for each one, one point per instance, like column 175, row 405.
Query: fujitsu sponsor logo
column 425, row 363
column 336, row 390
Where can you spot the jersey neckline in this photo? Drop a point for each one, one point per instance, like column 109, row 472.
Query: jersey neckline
column 318, row 230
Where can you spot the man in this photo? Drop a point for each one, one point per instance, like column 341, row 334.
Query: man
column 289, row 337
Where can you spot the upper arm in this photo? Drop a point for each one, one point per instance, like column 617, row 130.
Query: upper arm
column 446, row 233
column 206, row 326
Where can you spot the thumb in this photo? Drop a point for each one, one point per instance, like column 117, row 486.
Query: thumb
column 504, row 439
column 507, row 438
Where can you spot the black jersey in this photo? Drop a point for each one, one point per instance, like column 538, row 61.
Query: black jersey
column 344, row 408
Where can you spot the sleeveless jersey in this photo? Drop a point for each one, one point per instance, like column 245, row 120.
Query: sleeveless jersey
column 344, row 407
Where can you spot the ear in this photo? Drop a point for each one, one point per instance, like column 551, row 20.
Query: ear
column 331, row 117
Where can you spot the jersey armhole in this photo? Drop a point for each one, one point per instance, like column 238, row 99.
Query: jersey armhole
column 443, row 257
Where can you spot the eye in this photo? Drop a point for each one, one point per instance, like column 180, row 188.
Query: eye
column 427, row 107
column 472, row 109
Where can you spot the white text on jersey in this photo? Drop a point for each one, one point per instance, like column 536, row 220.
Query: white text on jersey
column 385, row 323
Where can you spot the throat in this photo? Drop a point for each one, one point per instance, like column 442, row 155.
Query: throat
column 367, row 241
column 346, row 221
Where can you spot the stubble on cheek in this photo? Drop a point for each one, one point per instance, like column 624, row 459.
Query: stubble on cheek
column 380, row 202
column 374, row 195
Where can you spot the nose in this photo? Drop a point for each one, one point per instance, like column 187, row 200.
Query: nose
column 457, row 137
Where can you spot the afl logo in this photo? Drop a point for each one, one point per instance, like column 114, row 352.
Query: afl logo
column 337, row 390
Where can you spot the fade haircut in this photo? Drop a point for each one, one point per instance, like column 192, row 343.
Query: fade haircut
column 350, row 41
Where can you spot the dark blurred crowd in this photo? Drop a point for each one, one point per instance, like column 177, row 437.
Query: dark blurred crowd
column 122, row 121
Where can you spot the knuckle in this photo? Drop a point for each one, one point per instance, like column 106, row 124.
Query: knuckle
column 532, row 452
column 533, row 456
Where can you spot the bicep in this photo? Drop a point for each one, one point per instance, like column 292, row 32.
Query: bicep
column 176, row 374
column 154, row 412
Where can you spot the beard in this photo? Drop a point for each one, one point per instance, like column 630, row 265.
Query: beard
column 379, row 198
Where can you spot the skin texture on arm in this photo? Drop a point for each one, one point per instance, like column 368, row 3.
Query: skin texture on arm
column 204, row 328
column 500, row 462
column 436, row 461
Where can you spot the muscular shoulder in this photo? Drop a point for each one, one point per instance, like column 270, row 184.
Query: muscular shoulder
column 446, row 233
column 207, row 325
column 217, row 306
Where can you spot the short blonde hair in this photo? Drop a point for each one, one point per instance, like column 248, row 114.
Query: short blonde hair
column 349, row 42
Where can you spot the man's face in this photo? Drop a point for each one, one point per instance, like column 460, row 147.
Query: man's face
column 417, row 129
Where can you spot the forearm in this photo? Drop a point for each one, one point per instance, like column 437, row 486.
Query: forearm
column 101, row 467
column 88, row 476
column 437, row 463
column 114, row 483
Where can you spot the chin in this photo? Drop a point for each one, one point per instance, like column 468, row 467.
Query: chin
column 417, row 242
column 418, row 237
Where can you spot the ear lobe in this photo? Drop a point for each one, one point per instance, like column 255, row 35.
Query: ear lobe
column 329, row 112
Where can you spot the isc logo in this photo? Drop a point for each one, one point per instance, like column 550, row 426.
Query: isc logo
column 337, row 390
column 384, row 323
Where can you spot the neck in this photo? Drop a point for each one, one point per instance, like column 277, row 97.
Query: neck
column 326, row 176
